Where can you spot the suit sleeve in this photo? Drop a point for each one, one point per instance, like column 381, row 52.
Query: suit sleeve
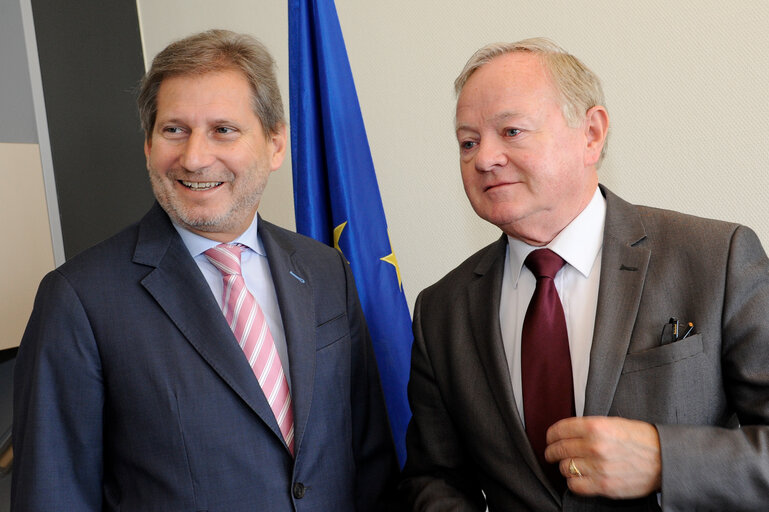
column 374, row 451
column 713, row 468
column 437, row 476
column 58, row 402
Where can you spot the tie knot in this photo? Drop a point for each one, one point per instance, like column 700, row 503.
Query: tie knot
column 225, row 257
column 544, row 263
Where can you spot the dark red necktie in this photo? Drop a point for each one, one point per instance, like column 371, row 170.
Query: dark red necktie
column 548, row 389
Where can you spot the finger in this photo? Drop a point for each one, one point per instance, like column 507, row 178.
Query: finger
column 573, row 467
column 579, row 477
column 563, row 450
column 567, row 448
column 583, row 486
column 618, row 459
column 566, row 429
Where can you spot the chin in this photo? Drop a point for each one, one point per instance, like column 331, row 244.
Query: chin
column 500, row 218
column 196, row 218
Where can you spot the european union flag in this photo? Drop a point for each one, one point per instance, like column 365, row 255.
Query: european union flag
column 336, row 196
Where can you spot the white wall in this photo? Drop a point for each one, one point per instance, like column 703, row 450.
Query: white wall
column 685, row 84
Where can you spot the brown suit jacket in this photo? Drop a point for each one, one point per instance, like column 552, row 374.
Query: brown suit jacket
column 466, row 435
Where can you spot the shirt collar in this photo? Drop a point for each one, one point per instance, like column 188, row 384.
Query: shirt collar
column 578, row 243
column 197, row 244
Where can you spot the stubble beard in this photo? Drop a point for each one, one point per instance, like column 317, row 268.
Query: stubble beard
column 244, row 205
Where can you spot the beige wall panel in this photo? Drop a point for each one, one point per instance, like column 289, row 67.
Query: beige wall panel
column 685, row 84
column 28, row 254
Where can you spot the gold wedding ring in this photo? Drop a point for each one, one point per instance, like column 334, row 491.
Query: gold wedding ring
column 573, row 470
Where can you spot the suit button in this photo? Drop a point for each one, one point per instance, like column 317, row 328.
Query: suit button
column 299, row 490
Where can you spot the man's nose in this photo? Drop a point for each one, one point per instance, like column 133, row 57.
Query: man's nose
column 489, row 155
column 198, row 153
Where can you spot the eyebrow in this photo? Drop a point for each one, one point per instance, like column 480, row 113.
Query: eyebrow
column 500, row 117
column 178, row 120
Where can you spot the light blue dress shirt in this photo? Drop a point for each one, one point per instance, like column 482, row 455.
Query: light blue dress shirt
column 256, row 272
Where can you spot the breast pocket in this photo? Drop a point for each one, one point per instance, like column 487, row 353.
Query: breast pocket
column 663, row 355
column 667, row 384
column 331, row 331
column 331, row 411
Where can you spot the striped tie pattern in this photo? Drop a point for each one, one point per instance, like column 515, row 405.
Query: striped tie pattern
column 249, row 324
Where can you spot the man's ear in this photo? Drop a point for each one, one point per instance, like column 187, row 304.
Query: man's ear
column 277, row 143
column 147, row 148
column 596, row 129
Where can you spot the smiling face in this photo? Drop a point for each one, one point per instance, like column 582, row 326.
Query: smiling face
column 208, row 156
column 523, row 168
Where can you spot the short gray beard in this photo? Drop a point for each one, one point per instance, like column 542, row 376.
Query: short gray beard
column 218, row 224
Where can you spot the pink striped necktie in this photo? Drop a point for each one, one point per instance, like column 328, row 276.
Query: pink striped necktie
column 249, row 324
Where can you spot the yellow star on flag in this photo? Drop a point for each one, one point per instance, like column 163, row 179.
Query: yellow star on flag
column 337, row 235
column 392, row 260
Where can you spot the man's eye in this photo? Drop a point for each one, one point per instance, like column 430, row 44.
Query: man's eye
column 512, row 132
column 172, row 129
column 223, row 130
column 467, row 144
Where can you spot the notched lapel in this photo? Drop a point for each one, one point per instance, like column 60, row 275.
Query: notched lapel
column 483, row 311
column 181, row 291
column 293, row 286
column 483, row 304
column 624, row 263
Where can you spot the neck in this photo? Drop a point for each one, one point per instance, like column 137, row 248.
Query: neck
column 541, row 229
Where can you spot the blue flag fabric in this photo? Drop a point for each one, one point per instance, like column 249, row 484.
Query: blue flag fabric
column 336, row 196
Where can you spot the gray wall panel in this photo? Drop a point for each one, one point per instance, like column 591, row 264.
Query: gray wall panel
column 16, row 107
column 90, row 62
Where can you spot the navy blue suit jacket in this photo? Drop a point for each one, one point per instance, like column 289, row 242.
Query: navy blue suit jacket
column 132, row 394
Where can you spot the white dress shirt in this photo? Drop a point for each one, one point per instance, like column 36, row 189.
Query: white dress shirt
column 256, row 272
column 579, row 244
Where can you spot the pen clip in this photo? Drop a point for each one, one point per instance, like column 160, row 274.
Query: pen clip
column 679, row 330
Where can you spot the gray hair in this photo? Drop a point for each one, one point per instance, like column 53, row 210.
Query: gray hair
column 578, row 87
column 211, row 51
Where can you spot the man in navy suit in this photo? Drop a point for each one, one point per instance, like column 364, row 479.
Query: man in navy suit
column 132, row 392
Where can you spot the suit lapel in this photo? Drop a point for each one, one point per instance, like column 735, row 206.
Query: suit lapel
column 483, row 305
column 623, row 270
column 181, row 291
column 294, row 290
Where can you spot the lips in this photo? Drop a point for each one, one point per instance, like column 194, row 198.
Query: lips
column 497, row 185
column 200, row 185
